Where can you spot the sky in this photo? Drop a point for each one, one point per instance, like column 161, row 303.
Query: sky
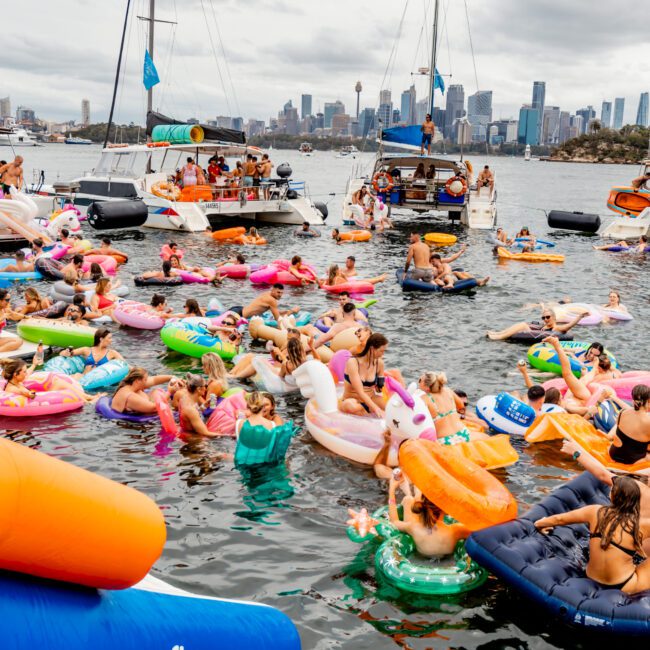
column 248, row 57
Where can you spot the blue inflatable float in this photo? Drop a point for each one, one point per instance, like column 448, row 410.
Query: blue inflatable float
column 37, row 613
column 409, row 284
column 550, row 569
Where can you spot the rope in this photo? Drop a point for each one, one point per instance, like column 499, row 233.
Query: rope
column 216, row 60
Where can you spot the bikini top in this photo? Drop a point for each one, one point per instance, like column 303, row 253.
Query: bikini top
column 90, row 360
column 637, row 558
column 377, row 381
column 104, row 302
column 632, row 446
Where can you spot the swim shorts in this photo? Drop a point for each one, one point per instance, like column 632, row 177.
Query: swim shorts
column 426, row 138
column 248, row 181
column 426, row 275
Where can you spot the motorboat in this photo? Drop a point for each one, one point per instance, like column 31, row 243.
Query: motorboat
column 121, row 173
column 348, row 151
column 393, row 181
column 306, row 149
column 75, row 140
column 17, row 136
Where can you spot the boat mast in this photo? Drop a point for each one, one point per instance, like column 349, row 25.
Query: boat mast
column 434, row 56
column 117, row 74
column 152, row 11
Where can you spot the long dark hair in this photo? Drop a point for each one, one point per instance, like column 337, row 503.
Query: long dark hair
column 428, row 511
column 640, row 396
column 623, row 514
column 374, row 342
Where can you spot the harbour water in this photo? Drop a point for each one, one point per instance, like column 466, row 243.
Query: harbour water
column 278, row 537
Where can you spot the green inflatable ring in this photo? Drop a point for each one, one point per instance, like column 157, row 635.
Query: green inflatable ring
column 195, row 341
column 56, row 333
column 543, row 357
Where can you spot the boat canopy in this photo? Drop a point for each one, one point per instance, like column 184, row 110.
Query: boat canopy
column 389, row 162
column 406, row 137
column 211, row 133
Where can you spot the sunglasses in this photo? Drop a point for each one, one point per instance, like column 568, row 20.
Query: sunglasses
column 547, row 317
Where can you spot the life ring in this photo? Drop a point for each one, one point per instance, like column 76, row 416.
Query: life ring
column 451, row 186
column 386, row 186
column 440, row 238
column 458, row 486
column 166, row 190
column 355, row 235
column 469, row 167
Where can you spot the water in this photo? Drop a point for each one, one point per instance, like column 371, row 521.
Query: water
column 279, row 538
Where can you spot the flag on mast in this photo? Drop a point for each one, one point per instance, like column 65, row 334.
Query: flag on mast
column 438, row 82
column 150, row 75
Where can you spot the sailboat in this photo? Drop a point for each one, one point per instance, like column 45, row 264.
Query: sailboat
column 527, row 152
column 445, row 186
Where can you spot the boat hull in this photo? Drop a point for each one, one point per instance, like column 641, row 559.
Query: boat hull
column 628, row 201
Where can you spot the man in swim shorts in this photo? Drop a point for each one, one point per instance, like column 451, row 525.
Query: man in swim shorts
column 418, row 253
column 428, row 129
column 268, row 301
column 485, row 179
column 12, row 176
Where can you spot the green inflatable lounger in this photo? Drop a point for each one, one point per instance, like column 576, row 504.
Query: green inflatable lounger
column 257, row 445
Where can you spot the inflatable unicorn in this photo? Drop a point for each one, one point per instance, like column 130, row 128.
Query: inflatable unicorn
column 66, row 219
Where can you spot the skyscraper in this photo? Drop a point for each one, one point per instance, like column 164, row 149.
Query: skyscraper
column 85, row 112
column 238, row 123
column 305, row 106
column 367, row 121
column 5, row 107
column 331, row 109
column 479, row 113
column 606, row 115
column 619, row 109
column 539, row 99
column 528, row 130
column 565, row 126
column 551, row 125
column 586, row 114
column 454, row 108
column 407, row 107
column 642, row 111
column 385, row 112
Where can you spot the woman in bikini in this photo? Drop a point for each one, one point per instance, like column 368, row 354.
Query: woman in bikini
column 335, row 276
column 99, row 354
column 103, row 301
column 34, row 302
column 215, row 369
column 364, row 379
column 8, row 343
column 631, row 437
column 443, row 405
column 131, row 396
column 616, row 533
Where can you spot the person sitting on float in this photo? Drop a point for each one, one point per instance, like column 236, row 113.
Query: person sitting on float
column 131, row 396
column 33, row 302
column 639, row 247
column 21, row 266
column 422, row 520
column 616, row 534
column 549, row 325
column 97, row 355
column 336, row 315
column 335, row 276
column 166, row 272
column 300, row 271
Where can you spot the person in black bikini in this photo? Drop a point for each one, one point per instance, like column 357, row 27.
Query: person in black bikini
column 364, row 379
column 130, row 396
column 631, row 447
column 548, row 327
column 616, row 560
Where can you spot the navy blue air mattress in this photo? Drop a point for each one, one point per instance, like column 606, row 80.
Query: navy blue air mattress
column 409, row 284
column 550, row 569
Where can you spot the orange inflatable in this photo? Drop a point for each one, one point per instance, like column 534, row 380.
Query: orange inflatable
column 62, row 522
column 456, row 484
column 194, row 193
column 493, row 453
column 228, row 233
column 449, row 186
column 250, row 241
column 555, row 426
column 505, row 254
column 356, row 235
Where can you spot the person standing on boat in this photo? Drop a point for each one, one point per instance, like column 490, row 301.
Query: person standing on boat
column 249, row 171
column 214, row 170
column 265, row 168
column 428, row 129
column 12, row 176
column 190, row 173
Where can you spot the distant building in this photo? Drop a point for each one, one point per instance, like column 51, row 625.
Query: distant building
column 397, row 118
column 254, row 127
column 539, row 99
column 224, row 121
column 408, row 113
column 462, row 131
column 642, row 111
column 319, row 121
column 85, row 112
column 384, row 116
column 331, row 109
column 438, row 118
column 565, row 126
column 25, row 115
column 619, row 109
column 586, row 114
column 237, row 123
column 307, row 124
column 367, row 121
column 528, row 129
column 305, row 106
column 606, row 114
column 479, row 114
column 385, row 97
column 493, row 136
column 195, row 120
column 341, row 124
column 421, row 110
column 551, row 127
column 455, row 108
column 577, row 125
column 291, row 120
column 506, row 129
column 5, row 107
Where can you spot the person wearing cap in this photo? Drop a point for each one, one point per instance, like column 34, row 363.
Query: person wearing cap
column 529, row 240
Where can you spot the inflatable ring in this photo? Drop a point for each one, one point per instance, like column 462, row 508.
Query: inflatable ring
column 166, row 190
column 137, row 315
column 451, row 186
column 543, row 357
column 228, row 233
column 382, row 182
column 440, row 238
column 195, row 341
column 54, row 394
column 458, row 486
column 103, row 407
column 355, row 235
column 166, row 252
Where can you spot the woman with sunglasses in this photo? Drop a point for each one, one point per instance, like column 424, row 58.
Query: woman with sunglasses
column 227, row 332
column 8, row 343
column 549, row 326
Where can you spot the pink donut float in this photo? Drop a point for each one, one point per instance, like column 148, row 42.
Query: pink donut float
column 622, row 386
column 55, row 393
column 137, row 315
column 108, row 263
column 277, row 272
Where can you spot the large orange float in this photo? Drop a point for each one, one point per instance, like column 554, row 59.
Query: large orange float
column 457, row 485
column 355, row 235
column 555, row 426
column 62, row 522
column 228, row 233
column 505, row 254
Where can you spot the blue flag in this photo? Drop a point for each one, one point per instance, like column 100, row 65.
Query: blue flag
column 150, row 74
column 438, row 82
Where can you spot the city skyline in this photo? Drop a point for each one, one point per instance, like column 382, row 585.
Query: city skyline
column 323, row 57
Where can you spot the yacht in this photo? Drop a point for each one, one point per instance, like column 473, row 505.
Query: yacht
column 122, row 174
column 306, row 149
column 348, row 151
column 16, row 136
column 75, row 140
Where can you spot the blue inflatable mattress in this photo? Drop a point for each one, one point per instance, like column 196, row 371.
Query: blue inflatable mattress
column 550, row 569
column 409, row 284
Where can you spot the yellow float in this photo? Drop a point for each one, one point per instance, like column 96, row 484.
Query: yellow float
column 440, row 238
column 505, row 254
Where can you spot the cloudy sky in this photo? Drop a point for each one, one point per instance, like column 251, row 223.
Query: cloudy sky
column 56, row 53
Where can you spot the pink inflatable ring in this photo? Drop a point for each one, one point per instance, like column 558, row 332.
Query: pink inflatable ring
column 55, row 393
